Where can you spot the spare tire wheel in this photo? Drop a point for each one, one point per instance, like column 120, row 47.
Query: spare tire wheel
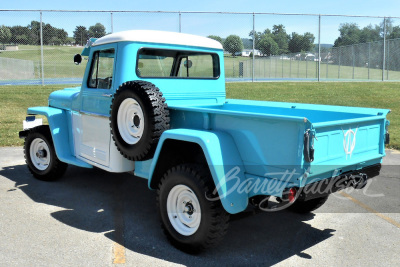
column 138, row 117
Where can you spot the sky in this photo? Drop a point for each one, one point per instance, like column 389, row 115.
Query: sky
column 203, row 24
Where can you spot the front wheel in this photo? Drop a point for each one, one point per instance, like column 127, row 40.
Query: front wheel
column 191, row 222
column 40, row 155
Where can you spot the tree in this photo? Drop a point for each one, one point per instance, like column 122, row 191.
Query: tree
column 395, row 33
column 256, row 36
column 20, row 34
column 81, row 35
column 308, row 41
column 298, row 42
column 96, row 31
column 216, row 38
column 34, row 33
column 370, row 34
column 5, row 34
column 349, row 34
column 281, row 38
column 389, row 27
column 233, row 44
column 295, row 43
column 268, row 46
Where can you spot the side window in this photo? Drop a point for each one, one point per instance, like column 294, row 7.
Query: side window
column 101, row 70
column 155, row 66
column 196, row 66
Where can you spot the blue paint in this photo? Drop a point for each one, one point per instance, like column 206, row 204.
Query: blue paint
column 222, row 157
column 60, row 130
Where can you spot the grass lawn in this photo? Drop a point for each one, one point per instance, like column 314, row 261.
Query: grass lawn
column 283, row 68
column 15, row 100
column 58, row 60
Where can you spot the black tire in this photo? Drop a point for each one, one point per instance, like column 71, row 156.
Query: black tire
column 53, row 168
column 214, row 220
column 307, row 206
column 154, row 122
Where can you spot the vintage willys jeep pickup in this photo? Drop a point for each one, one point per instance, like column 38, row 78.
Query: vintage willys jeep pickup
column 154, row 103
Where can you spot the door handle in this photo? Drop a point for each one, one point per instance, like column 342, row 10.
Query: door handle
column 107, row 95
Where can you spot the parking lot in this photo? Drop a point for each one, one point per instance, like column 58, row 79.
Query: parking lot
column 94, row 218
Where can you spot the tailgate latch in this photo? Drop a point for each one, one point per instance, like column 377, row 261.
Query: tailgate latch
column 308, row 152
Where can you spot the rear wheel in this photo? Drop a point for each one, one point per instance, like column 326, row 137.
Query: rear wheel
column 307, row 206
column 191, row 222
column 40, row 155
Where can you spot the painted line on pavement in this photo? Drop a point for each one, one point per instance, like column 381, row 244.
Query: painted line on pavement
column 368, row 208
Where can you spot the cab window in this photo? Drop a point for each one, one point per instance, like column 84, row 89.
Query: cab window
column 101, row 69
column 165, row 63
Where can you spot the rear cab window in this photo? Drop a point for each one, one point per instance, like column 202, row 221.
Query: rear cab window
column 164, row 63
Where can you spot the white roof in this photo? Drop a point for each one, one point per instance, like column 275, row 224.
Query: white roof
column 160, row 37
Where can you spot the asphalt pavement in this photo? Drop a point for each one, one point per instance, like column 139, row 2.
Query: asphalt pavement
column 94, row 218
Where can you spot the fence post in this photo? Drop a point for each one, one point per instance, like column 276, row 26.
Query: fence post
column 384, row 49
column 298, row 67
column 306, row 68
column 369, row 58
column 319, row 47
column 112, row 23
column 254, row 45
column 327, row 66
column 352, row 55
column 264, row 68
column 41, row 46
column 270, row 66
column 388, row 60
column 339, row 62
column 180, row 22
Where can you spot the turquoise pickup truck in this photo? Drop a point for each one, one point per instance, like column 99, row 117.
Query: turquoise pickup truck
column 154, row 103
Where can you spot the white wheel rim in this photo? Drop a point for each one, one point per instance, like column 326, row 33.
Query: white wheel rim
column 39, row 153
column 130, row 121
column 183, row 209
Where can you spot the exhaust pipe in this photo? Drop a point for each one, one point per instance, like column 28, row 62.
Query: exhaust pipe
column 359, row 181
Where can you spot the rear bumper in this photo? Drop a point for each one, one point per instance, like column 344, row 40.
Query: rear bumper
column 356, row 179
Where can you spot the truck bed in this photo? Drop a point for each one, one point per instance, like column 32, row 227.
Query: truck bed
column 269, row 135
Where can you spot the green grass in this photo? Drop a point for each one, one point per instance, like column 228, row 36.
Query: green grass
column 15, row 100
column 358, row 94
column 58, row 60
column 278, row 68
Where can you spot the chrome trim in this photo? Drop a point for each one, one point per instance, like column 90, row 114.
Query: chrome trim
column 93, row 114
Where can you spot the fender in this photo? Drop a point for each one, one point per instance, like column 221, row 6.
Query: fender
column 223, row 159
column 58, row 121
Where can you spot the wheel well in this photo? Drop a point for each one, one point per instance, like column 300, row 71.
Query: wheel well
column 175, row 152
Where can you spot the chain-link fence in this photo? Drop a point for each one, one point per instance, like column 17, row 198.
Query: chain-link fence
column 37, row 47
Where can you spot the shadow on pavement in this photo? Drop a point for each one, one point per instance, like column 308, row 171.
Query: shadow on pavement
column 94, row 200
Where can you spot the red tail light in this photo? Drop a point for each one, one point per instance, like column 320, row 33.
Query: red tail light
column 292, row 195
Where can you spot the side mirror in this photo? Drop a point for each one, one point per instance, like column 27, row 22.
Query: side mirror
column 188, row 64
column 77, row 59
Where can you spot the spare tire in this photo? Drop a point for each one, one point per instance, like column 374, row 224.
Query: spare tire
column 138, row 117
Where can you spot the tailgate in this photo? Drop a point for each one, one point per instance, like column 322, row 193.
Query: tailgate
column 348, row 144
